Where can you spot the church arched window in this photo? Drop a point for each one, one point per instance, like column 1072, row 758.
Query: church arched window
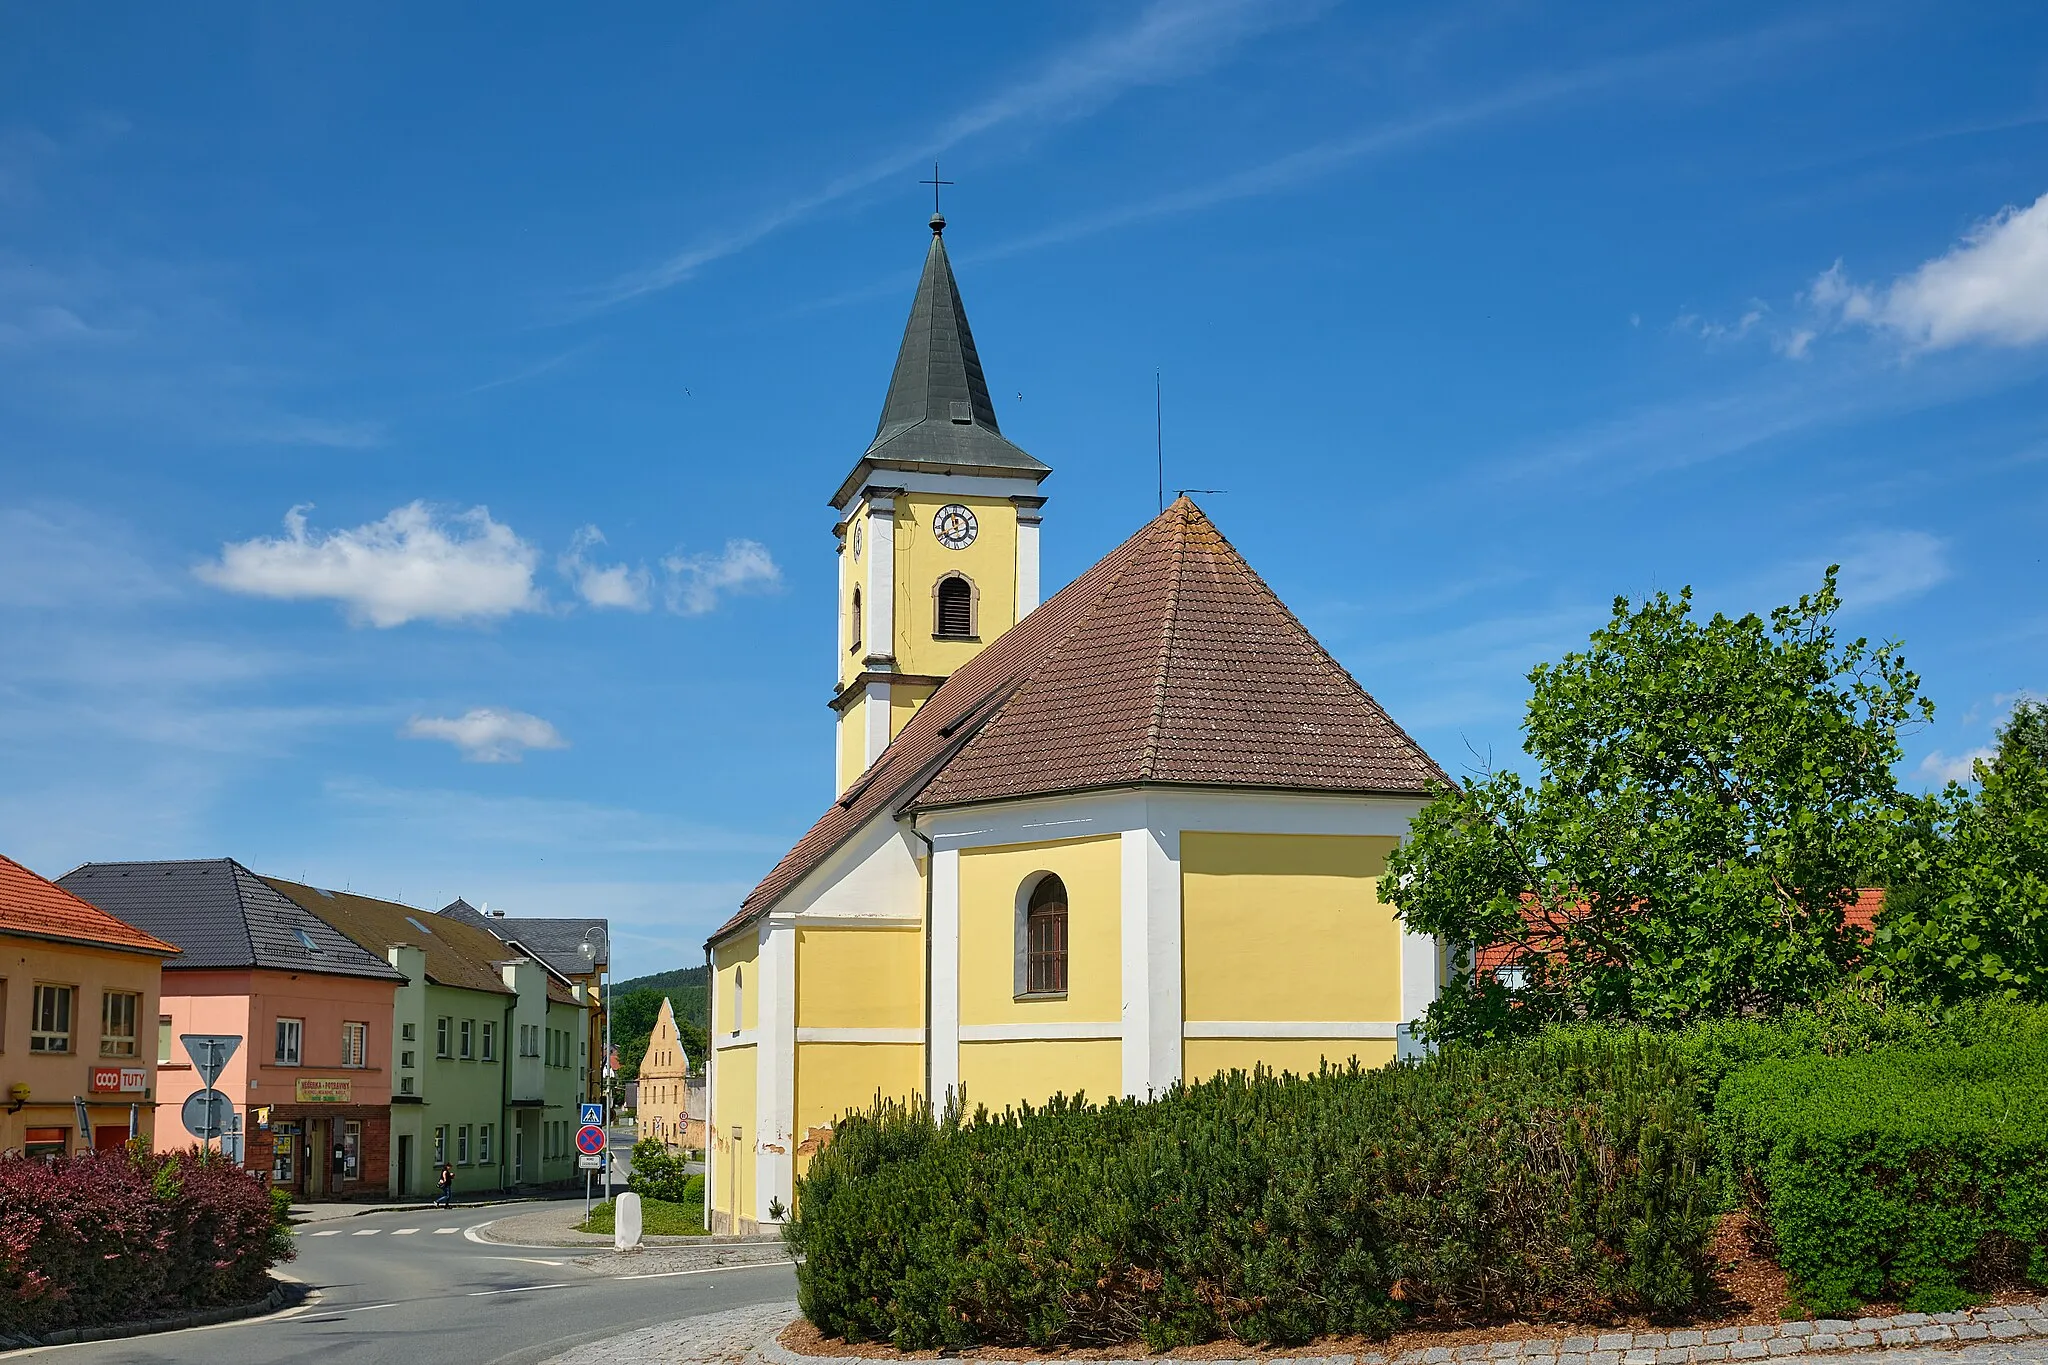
column 854, row 619
column 1045, row 938
column 953, row 608
column 739, row 995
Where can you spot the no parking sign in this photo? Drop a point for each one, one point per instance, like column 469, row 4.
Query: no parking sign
column 590, row 1139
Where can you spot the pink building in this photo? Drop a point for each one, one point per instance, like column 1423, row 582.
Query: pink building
column 311, row 1079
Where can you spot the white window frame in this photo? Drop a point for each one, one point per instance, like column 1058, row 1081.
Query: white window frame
column 443, row 1028
column 465, row 1040
column 292, row 1031
column 50, row 1005
column 355, row 1044
column 489, row 1040
column 483, row 1145
column 113, row 1042
column 462, row 1144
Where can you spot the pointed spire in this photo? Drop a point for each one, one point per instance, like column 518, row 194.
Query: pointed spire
column 938, row 412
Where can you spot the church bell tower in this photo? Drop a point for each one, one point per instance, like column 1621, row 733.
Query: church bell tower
column 938, row 529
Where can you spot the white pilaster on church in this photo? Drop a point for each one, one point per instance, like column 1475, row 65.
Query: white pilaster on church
column 1151, row 959
column 1027, row 555
column 876, row 737
column 775, row 1100
column 878, row 559
column 945, row 969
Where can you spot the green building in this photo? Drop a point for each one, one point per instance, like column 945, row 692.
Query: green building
column 488, row 1057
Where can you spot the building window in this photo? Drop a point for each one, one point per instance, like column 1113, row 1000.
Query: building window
column 953, row 617
column 441, row 1145
column 853, row 617
column 405, row 1085
column 441, row 1037
column 355, row 1044
column 1512, row 977
column 407, row 1058
column 49, row 1021
column 288, row 1037
column 1045, row 938
column 462, row 1145
column 490, row 1041
column 406, row 1032
column 164, row 1038
column 469, row 1040
column 118, row 1010
column 739, row 995
column 46, row 1142
column 351, row 1149
column 483, row 1145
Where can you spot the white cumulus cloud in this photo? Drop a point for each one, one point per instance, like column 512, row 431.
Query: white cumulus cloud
column 410, row 565
column 1992, row 288
column 696, row 582
column 603, row 585
column 1943, row 767
column 489, row 735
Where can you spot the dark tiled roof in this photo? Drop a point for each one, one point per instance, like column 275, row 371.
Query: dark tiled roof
column 458, row 954
column 31, row 905
column 557, row 943
column 1169, row 662
column 222, row 915
column 938, row 412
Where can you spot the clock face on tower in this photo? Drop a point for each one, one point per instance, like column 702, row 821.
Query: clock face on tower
column 954, row 526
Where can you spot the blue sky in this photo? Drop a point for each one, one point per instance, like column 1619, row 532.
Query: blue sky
column 416, row 426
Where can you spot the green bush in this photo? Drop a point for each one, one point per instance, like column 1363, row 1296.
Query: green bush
column 1921, row 1175
column 1549, row 1180
column 657, row 1174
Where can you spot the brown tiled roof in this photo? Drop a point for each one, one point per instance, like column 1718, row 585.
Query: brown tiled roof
column 1169, row 662
column 457, row 954
column 31, row 905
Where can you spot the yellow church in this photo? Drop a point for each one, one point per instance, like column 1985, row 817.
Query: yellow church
column 1098, row 844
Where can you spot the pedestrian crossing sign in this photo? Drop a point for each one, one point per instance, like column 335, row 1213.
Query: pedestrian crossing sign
column 592, row 1114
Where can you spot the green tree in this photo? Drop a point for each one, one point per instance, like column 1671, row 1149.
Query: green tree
column 1974, row 920
column 634, row 1014
column 1709, row 793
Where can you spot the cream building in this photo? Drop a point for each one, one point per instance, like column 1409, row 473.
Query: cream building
column 663, row 1110
column 1099, row 845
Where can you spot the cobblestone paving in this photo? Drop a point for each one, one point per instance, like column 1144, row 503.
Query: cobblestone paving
column 729, row 1338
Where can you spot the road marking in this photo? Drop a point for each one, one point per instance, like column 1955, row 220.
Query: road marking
column 365, row 1232
column 529, row 1260
column 403, row 1232
column 521, row 1289
column 326, row 1232
column 705, row 1270
column 473, row 1233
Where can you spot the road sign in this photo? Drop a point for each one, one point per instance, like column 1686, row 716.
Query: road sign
column 206, row 1113
column 590, row 1139
column 210, row 1053
column 589, row 1163
column 591, row 1114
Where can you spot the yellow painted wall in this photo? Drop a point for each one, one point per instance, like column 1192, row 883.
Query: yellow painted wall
column 904, row 700
column 989, row 882
column 859, row 978
column 732, row 1107
column 1002, row 1075
column 853, row 729
column 1202, row 1058
column 1287, row 926
column 736, row 956
column 53, row 1079
column 991, row 562
column 839, row 1078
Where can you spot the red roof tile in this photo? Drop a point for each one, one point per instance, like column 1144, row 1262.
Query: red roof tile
column 1169, row 662
column 31, row 905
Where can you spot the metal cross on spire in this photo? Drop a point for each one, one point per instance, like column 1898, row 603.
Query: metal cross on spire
column 935, row 182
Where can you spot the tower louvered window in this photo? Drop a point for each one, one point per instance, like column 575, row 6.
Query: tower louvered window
column 956, row 608
column 1045, row 936
column 855, row 619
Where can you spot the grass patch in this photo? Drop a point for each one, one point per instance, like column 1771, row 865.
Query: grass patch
column 658, row 1218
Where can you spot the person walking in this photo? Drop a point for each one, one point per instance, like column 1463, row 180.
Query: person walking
column 447, row 1197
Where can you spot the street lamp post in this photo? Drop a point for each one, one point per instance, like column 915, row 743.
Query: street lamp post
column 598, row 954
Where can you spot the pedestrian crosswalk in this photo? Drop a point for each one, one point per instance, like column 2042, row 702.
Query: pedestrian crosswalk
column 372, row 1232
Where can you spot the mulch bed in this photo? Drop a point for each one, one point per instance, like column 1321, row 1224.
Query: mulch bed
column 1749, row 1289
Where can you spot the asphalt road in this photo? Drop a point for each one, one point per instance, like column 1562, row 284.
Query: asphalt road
column 411, row 1289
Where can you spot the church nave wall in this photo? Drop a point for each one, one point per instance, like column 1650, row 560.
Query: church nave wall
column 733, row 1164
column 736, row 979
column 840, row 1078
column 994, row 883
column 1205, row 1057
column 1004, row 1074
column 860, row 978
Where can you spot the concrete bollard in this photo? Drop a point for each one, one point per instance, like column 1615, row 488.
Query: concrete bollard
column 626, row 1222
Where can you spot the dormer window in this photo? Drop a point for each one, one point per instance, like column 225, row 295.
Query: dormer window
column 306, row 941
column 963, row 413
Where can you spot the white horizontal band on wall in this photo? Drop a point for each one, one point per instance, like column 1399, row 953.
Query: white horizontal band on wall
column 822, row 921
column 1288, row 1028
column 1038, row 1033
column 860, row 1035
column 744, row 1038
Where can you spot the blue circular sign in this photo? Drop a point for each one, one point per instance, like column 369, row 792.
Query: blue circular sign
column 589, row 1140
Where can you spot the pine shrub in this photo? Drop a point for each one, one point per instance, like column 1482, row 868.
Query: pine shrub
column 115, row 1236
column 1917, row 1174
column 1555, row 1179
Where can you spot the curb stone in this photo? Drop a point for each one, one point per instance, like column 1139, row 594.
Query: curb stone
column 1767, row 1341
column 281, row 1293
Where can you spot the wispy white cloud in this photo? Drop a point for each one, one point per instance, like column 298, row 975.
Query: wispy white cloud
column 1889, row 566
column 1168, row 41
column 697, row 583
column 57, row 555
column 445, row 816
column 487, row 734
column 409, row 565
column 624, row 586
column 1991, row 288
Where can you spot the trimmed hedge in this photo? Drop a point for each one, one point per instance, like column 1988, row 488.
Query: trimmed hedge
column 116, row 1236
column 1549, row 1180
column 1916, row 1175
